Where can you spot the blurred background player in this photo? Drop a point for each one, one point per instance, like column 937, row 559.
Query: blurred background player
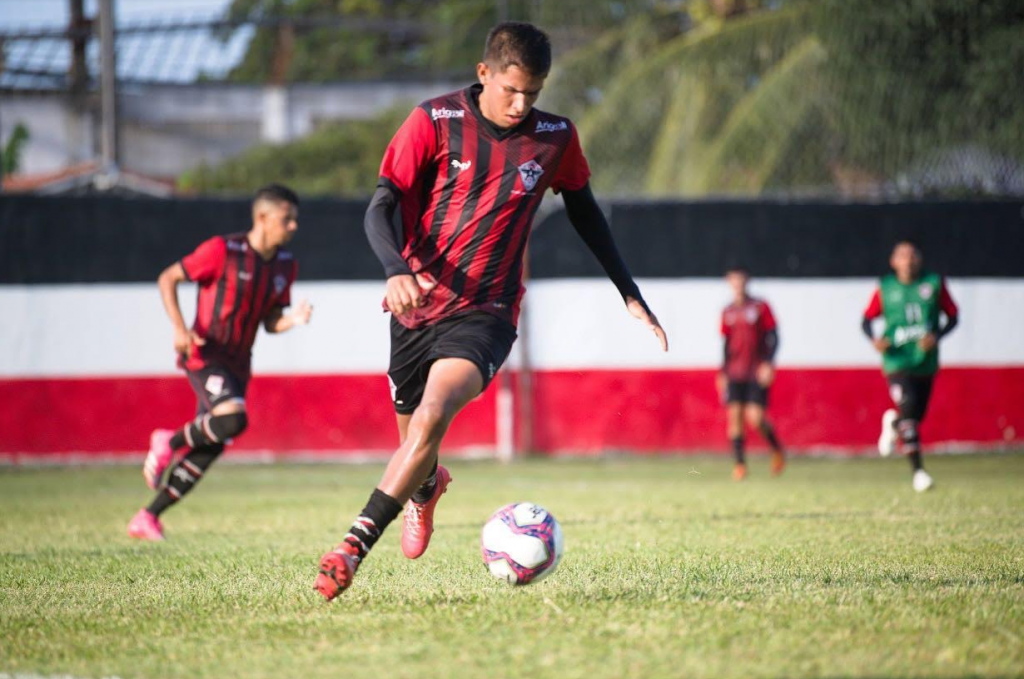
column 911, row 301
column 244, row 279
column 750, row 341
column 467, row 171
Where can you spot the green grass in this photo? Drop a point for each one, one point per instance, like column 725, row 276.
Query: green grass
column 671, row 570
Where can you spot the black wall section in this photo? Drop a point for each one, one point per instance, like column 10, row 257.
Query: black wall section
column 108, row 239
column 672, row 240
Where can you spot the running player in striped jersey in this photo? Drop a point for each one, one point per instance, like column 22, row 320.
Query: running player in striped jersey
column 244, row 280
column 751, row 338
column 911, row 302
column 465, row 173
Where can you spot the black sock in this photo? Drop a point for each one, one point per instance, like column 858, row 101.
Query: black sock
column 178, row 440
column 915, row 460
column 371, row 522
column 737, row 450
column 426, row 490
column 184, row 477
column 768, row 432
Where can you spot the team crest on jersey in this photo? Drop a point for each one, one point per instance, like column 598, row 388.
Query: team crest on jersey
column 925, row 290
column 530, row 171
column 279, row 283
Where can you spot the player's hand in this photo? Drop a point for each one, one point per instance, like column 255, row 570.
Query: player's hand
column 406, row 292
column 765, row 374
column 302, row 313
column 636, row 308
column 185, row 339
column 928, row 342
column 881, row 344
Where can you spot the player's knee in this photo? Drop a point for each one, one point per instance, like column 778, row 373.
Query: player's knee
column 907, row 430
column 229, row 426
column 755, row 418
column 430, row 418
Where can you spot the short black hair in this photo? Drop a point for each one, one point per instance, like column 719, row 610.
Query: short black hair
column 276, row 193
column 737, row 267
column 908, row 241
column 517, row 43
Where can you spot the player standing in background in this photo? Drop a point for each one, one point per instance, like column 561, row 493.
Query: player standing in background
column 911, row 301
column 751, row 340
column 244, row 279
column 466, row 173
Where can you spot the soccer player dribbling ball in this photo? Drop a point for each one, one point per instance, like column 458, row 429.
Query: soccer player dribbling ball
column 911, row 301
column 244, row 279
column 466, row 173
column 750, row 341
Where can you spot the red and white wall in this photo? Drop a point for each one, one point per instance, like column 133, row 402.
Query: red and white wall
column 88, row 370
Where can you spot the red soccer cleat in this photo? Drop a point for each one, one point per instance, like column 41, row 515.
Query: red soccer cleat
column 337, row 569
column 778, row 463
column 145, row 526
column 158, row 457
column 739, row 471
column 418, row 522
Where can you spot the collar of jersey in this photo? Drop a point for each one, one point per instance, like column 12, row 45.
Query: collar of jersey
column 472, row 94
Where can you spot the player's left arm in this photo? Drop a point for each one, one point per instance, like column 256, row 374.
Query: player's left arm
column 952, row 314
column 572, row 181
column 277, row 320
column 766, row 371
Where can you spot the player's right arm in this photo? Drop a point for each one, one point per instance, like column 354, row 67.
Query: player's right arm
column 873, row 311
column 168, row 282
column 409, row 154
column 203, row 266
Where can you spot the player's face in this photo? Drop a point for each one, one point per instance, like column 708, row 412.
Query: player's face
column 737, row 281
column 280, row 221
column 508, row 95
column 905, row 261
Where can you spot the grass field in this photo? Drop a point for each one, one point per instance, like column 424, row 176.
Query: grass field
column 671, row 570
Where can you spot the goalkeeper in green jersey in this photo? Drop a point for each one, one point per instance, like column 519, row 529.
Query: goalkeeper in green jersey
column 911, row 302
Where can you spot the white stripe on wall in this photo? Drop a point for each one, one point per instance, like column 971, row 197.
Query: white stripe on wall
column 82, row 330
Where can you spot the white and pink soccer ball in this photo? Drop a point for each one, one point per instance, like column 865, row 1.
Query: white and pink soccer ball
column 521, row 543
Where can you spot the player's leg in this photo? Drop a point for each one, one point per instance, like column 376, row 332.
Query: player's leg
column 734, row 400
column 907, row 395
column 451, row 384
column 757, row 418
column 221, row 416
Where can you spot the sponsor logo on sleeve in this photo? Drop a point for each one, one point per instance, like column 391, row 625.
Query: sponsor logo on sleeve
column 436, row 113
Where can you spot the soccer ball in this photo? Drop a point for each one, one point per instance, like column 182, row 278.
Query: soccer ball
column 521, row 543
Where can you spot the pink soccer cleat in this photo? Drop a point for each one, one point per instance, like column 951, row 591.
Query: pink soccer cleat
column 145, row 526
column 337, row 568
column 158, row 457
column 418, row 523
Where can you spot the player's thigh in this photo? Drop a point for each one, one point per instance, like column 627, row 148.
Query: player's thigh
column 919, row 394
column 477, row 337
column 734, row 413
column 218, row 389
column 754, row 413
column 451, row 384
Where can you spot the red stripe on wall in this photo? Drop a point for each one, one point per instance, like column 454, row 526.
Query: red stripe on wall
column 580, row 411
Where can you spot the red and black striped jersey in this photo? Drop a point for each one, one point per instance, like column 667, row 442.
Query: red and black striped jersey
column 469, row 193
column 237, row 290
column 745, row 328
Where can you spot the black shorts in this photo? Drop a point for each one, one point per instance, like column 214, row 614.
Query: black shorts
column 476, row 336
column 746, row 392
column 214, row 384
column 910, row 394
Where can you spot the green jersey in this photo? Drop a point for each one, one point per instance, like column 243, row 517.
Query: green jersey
column 911, row 311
